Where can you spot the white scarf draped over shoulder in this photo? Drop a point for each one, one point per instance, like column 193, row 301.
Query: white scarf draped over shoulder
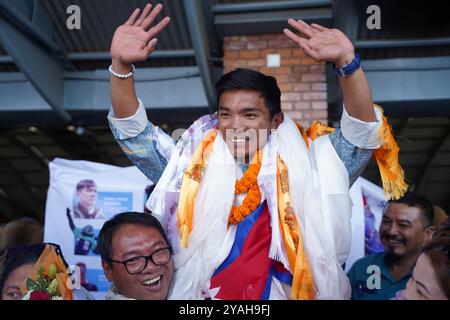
column 318, row 184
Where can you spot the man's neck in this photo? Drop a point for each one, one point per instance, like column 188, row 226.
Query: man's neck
column 401, row 266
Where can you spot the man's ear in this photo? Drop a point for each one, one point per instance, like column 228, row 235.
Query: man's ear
column 107, row 268
column 277, row 120
column 429, row 232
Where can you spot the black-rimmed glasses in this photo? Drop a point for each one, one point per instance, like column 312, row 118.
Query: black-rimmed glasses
column 136, row 265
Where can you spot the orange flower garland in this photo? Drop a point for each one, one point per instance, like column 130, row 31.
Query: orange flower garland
column 248, row 183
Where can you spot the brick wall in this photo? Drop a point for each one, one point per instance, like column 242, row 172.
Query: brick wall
column 302, row 80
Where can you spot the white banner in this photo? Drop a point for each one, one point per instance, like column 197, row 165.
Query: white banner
column 82, row 195
column 368, row 203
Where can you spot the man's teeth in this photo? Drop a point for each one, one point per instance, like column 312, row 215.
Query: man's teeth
column 151, row 281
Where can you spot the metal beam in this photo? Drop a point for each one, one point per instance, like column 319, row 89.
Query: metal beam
column 87, row 96
column 269, row 6
column 402, row 43
column 346, row 19
column 430, row 159
column 200, row 42
column 421, row 84
column 101, row 56
column 34, row 54
column 31, row 150
column 257, row 22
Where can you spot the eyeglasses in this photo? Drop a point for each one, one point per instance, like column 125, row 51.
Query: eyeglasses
column 138, row 264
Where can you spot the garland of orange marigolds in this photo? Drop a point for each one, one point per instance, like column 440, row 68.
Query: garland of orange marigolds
column 248, row 183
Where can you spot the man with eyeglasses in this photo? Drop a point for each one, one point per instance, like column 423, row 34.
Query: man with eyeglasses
column 136, row 257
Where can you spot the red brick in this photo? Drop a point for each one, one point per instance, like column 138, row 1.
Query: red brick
column 285, row 52
column 313, row 77
column 249, row 54
column 300, row 69
column 290, row 62
column 302, row 105
column 285, row 43
column 319, row 105
column 235, row 45
column 260, row 44
column 263, row 53
column 283, row 70
column 291, row 96
column 287, row 106
column 285, row 78
column 315, row 96
column 319, row 86
column 295, row 115
column 308, row 61
column 315, row 114
column 268, row 71
column 298, row 52
column 251, row 37
column 233, row 63
column 231, row 54
column 257, row 63
column 286, row 87
column 317, row 68
column 301, row 87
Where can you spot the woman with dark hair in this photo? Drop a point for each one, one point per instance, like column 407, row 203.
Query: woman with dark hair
column 15, row 266
column 431, row 276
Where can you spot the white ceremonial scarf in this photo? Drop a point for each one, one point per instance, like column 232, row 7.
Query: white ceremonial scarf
column 319, row 190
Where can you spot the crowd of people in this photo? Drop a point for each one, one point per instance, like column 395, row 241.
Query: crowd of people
column 247, row 204
column 138, row 261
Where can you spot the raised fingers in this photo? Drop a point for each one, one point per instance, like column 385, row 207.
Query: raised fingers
column 158, row 28
column 318, row 27
column 144, row 15
column 302, row 27
column 132, row 19
column 152, row 16
column 302, row 42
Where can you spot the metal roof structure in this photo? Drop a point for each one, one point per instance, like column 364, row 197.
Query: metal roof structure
column 55, row 98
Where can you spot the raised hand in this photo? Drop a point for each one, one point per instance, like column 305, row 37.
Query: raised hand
column 135, row 40
column 322, row 44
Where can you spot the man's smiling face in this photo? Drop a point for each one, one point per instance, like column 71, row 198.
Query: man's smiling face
column 245, row 122
column 129, row 242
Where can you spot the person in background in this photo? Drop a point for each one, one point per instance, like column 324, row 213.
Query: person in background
column 20, row 232
column 136, row 257
column 439, row 216
column 431, row 276
column 15, row 266
column 405, row 227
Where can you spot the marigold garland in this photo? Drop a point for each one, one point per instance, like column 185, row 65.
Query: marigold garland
column 248, row 183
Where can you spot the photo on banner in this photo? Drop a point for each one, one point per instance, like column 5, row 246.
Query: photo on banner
column 82, row 196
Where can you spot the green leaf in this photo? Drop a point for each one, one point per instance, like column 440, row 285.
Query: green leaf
column 30, row 284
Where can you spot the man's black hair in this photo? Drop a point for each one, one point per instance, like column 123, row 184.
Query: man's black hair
column 246, row 79
column 104, row 244
column 412, row 199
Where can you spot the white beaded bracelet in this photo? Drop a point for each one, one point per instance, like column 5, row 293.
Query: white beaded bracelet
column 122, row 76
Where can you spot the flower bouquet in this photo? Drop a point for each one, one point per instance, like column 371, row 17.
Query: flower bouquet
column 49, row 279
